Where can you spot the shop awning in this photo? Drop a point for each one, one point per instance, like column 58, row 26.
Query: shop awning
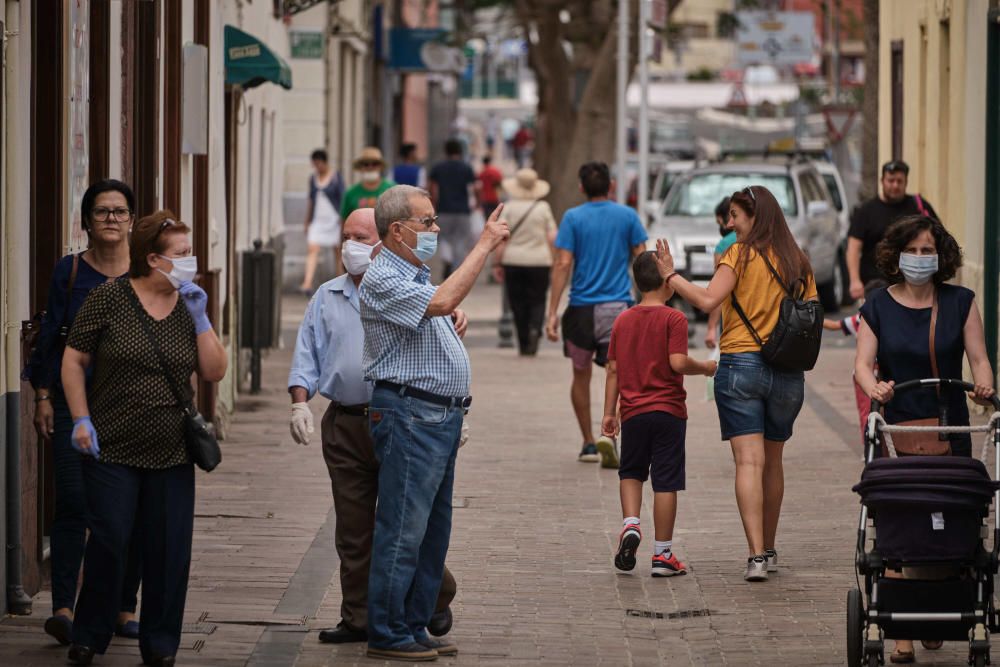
column 249, row 62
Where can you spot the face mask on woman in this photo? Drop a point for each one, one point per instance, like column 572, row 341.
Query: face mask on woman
column 185, row 269
column 918, row 269
column 357, row 256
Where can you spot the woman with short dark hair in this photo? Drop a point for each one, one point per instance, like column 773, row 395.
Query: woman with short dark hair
column 919, row 256
column 144, row 335
column 106, row 212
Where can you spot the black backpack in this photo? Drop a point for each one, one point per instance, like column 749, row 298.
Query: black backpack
column 794, row 344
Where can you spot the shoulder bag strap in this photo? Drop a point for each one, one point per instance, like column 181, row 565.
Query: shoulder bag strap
column 920, row 205
column 774, row 273
column 64, row 327
column 743, row 316
column 140, row 312
column 521, row 220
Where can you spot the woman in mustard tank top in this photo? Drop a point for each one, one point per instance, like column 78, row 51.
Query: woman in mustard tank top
column 757, row 404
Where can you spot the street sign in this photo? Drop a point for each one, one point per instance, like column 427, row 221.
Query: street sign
column 423, row 50
column 306, row 44
column 775, row 38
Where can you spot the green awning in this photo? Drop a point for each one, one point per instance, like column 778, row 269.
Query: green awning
column 249, row 62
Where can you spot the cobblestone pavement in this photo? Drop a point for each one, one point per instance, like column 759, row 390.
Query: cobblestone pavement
column 533, row 538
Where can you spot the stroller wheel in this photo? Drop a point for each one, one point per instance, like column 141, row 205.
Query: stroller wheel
column 856, row 629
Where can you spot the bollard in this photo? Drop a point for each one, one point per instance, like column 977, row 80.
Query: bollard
column 258, row 307
column 255, row 329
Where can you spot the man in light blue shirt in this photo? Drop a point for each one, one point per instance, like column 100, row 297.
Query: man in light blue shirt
column 327, row 360
column 414, row 355
column 596, row 243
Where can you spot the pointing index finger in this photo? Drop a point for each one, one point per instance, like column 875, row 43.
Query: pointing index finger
column 495, row 215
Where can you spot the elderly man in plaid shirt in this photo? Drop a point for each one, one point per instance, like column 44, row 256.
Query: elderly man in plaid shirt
column 420, row 368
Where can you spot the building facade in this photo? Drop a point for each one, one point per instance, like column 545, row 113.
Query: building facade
column 935, row 84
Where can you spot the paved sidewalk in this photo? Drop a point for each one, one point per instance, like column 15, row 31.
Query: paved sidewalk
column 533, row 538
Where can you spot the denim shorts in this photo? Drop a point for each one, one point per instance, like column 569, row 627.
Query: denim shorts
column 752, row 397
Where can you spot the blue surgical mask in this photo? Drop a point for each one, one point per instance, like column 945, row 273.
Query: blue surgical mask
column 427, row 243
column 918, row 269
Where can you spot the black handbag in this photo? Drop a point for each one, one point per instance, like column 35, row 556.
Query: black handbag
column 199, row 441
column 794, row 344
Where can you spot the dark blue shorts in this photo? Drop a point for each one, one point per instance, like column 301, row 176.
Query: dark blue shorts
column 752, row 397
column 653, row 445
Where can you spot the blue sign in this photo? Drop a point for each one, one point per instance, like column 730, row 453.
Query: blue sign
column 406, row 44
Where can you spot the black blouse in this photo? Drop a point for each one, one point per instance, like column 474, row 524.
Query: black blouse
column 136, row 416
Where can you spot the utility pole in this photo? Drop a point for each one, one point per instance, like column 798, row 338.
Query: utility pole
column 642, row 189
column 622, row 106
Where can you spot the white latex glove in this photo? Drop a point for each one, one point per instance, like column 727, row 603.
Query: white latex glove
column 301, row 424
column 464, row 438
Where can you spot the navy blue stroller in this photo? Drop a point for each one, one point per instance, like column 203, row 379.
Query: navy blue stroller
column 928, row 514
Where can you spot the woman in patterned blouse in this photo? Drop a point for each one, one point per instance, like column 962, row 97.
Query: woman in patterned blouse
column 128, row 423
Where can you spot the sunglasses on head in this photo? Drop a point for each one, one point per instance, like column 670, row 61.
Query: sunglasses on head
column 749, row 190
column 163, row 225
column 894, row 166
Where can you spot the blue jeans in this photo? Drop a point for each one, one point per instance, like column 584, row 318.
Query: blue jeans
column 162, row 501
column 69, row 521
column 415, row 443
column 752, row 397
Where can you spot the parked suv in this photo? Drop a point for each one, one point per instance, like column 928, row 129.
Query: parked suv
column 687, row 217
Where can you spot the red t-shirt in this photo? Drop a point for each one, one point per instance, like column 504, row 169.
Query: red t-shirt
column 642, row 340
column 490, row 177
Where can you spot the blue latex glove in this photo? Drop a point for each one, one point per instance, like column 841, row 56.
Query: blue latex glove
column 84, row 438
column 196, row 301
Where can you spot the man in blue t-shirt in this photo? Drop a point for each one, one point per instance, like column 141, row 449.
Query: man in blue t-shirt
column 596, row 243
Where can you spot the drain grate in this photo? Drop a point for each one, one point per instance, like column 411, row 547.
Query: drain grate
column 686, row 613
column 199, row 628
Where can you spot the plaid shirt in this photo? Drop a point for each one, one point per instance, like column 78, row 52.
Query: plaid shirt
column 402, row 344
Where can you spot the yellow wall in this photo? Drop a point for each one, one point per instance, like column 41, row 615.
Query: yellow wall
column 944, row 104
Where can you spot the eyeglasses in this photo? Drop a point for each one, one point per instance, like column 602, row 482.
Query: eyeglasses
column 163, row 225
column 427, row 222
column 749, row 191
column 101, row 214
column 895, row 165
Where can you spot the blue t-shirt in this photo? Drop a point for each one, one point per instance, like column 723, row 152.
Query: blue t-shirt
column 725, row 243
column 406, row 174
column 601, row 236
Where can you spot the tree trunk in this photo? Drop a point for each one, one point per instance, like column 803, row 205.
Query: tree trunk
column 869, row 108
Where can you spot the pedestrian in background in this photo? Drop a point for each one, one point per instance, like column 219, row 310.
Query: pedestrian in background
column 524, row 261
column 409, row 171
column 521, row 143
column 919, row 256
column 490, row 179
column 452, row 186
column 106, row 211
column 757, row 404
column 143, row 335
column 728, row 235
column 870, row 221
column 328, row 360
column 413, row 353
column 595, row 244
column 326, row 190
column 645, row 384
column 363, row 194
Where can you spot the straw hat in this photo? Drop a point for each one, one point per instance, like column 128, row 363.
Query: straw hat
column 525, row 185
column 369, row 154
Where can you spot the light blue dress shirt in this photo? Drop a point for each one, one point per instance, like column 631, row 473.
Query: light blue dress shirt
column 329, row 345
column 402, row 345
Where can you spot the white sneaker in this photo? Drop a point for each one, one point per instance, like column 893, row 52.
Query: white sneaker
column 772, row 560
column 756, row 568
column 607, row 447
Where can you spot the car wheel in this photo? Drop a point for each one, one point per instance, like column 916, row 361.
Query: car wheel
column 831, row 294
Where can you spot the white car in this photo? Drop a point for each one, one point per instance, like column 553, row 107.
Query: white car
column 687, row 217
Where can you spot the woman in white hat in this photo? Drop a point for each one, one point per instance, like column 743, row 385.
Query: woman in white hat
column 525, row 260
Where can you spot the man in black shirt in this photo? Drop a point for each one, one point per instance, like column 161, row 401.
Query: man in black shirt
column 451, row 183
column 870, row 221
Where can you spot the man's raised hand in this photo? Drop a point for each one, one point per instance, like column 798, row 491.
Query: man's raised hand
column 496, row 230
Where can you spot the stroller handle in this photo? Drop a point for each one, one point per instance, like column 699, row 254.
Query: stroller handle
column 945, row 383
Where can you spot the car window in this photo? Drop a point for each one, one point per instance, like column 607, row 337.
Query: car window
column 831, row 185
column 699, row 195
column 810, row 190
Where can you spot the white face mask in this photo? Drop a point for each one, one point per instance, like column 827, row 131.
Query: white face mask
column 357, row 256
column 371, row 176
column 185, row 269
column 918, row 269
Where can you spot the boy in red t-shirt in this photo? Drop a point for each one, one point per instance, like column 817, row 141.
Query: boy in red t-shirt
column 647, row 362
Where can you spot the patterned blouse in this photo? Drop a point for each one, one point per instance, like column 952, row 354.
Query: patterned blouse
column 134, row 412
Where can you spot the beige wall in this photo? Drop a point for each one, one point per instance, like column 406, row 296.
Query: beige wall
column 701, row 52
column 944, row 76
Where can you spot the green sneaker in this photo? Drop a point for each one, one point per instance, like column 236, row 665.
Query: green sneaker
column 608, row 448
